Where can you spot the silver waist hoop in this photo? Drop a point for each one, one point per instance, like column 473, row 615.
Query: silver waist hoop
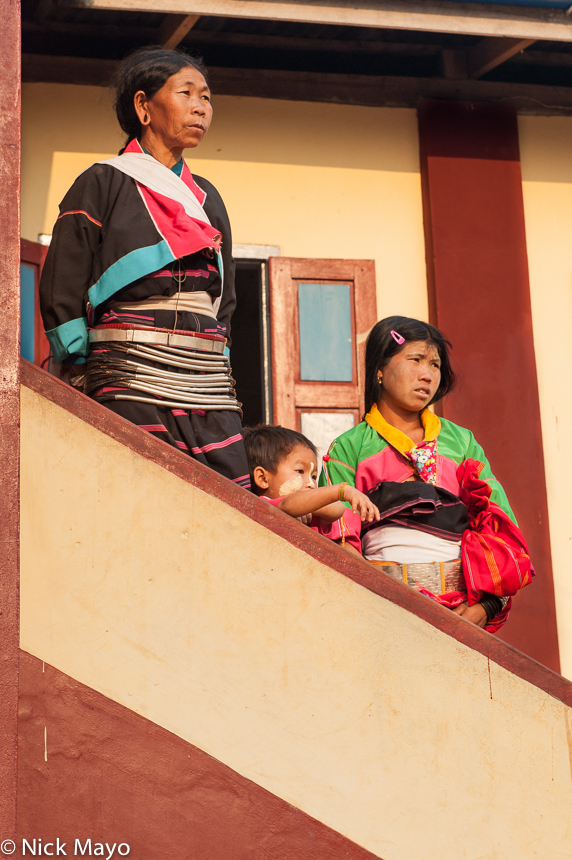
column 438, row 577
column 162, row 375
column 156, row 338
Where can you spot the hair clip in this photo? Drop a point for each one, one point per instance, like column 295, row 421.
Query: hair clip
column 397, row 337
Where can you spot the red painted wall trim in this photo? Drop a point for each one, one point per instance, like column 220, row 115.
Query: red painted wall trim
column 33, row 252
column 114, row 776
column 298, row 535
column 9, row 408
column 479, row 291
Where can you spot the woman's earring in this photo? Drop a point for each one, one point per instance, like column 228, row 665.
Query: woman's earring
column 379, row 379
column 145, row 118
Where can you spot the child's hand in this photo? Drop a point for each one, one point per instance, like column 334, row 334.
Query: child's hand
column 360, row 503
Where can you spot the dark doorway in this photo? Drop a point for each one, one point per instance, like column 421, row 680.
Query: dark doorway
column 249, row 354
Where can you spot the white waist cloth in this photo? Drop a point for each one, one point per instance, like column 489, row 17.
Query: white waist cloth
column 407, row 546
column 199, row 302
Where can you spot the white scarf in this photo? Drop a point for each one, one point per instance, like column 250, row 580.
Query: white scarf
column 151, row 173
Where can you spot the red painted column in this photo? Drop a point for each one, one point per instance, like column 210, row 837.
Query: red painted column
column 479, row 296
column 9, row 408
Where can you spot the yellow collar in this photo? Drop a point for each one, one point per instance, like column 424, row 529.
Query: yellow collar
column 397, row 439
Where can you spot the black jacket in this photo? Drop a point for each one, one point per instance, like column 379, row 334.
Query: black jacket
column 104, row 245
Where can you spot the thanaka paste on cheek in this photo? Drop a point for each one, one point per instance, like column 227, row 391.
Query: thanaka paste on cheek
column 294, row 485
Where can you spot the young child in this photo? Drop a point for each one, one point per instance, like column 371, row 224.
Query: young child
column 284, row 471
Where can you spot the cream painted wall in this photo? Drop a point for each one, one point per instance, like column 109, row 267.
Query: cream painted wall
column 338, row 701
column 546, row 153
column 318, row 180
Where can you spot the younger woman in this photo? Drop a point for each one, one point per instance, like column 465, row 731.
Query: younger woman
column 431, row 481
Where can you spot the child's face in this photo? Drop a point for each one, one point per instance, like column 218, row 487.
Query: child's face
column 297, row 471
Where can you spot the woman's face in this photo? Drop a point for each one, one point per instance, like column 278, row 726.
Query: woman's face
column 180, row 113
column 411, row 377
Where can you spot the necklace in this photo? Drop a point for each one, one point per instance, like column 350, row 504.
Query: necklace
column 180, row 276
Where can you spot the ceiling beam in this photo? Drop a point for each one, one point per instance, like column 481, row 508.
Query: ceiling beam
column 490, row 53
column 296, row 43
column 550, row 59
column 437, row 16
column 455, row 64
column 79, row 29
column 86, row 71
column 174, row 29
column 372, row 91
column 241, row 40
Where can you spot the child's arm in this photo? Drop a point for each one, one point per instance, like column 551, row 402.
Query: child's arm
column 310, row 501
column 325, row 502
column 329, row 513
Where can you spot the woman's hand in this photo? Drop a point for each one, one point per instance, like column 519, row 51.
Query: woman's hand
column 475, row 614
column 360, row 503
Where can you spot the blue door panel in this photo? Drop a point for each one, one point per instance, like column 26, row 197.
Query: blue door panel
column 28, row 311
column 324, row 312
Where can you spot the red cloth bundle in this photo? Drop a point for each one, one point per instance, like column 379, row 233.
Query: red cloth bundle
column 493, row 550
column 494, row 553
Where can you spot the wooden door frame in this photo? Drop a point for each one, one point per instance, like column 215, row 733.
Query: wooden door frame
column 34, row 254
column 284, row 272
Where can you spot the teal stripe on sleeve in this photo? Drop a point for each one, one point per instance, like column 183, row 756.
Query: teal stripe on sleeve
column 129, row 268
column 69, row 339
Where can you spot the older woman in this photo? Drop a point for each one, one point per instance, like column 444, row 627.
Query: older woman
column 446, row 526
column 139, row 277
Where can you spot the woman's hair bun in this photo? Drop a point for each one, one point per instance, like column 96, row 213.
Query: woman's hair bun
column 147, row 69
